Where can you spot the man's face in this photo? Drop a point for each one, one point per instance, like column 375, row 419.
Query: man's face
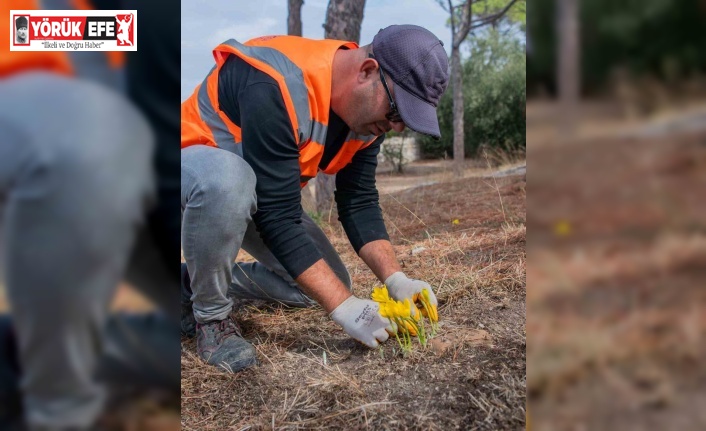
column 368, row 106
column 22, row 32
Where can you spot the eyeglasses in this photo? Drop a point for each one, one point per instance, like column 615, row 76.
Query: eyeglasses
column 394, row 115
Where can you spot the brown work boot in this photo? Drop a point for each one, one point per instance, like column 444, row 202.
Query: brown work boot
column 221, row 343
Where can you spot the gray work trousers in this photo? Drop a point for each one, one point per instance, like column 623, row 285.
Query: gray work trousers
column 75, row 178
column 218, row 200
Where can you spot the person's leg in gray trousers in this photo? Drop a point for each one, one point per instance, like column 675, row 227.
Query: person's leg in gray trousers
column 75, row 176
column 217, row 202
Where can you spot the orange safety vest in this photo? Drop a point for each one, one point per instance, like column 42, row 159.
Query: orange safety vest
column 12, row 62
column 302, row 69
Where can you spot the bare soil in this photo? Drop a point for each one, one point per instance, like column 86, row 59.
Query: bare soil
column 472, row 376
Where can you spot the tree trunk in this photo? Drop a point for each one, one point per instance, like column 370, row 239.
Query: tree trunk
column 568, row 64
column 461, row 20
column 460, row 27
column 457, row 88
column 343, row 21
column 294, row 18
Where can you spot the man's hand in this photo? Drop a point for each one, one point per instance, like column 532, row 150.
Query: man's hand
column 361, row 320
column 401, row 287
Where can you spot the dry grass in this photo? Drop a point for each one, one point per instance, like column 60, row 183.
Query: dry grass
column 617, row 329
column 313, row 376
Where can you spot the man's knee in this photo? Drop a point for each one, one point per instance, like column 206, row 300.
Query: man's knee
column 218, row 176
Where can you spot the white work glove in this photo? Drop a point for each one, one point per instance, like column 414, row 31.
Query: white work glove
column 401, row 288
column 361, row 320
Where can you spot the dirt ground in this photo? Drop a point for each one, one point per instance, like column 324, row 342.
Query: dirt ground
column 616, row 269
column 429, row 172
column 313, row 376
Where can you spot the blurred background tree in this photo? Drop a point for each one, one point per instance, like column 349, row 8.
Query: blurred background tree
column 294, row 17
column 646, row 37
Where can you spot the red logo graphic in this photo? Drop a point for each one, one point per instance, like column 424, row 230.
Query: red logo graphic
column 126, row 29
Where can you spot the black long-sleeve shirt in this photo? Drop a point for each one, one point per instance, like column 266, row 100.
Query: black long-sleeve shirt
column 252, row 100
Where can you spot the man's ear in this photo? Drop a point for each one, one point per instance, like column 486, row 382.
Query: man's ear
column 368, row 70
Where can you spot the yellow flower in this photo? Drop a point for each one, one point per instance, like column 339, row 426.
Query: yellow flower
column 435, row 314
column 387, row 310
column 404, row 309
column 455, row 222
column 562, row 228
column 394, row 309
column 406, row 316
column 380, row 294
column 411, row 328
column 432, row 313
column 429, row 310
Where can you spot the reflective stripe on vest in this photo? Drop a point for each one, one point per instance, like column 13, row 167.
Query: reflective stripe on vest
column 223, row 137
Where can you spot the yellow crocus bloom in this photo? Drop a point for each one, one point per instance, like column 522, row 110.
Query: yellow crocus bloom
column 386, row 310
column 430, row 310
column 380, row 294
column 404, row 308
column 562, row 228
column 411, row 328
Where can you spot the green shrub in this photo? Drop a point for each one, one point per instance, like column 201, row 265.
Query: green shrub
column 494, row 99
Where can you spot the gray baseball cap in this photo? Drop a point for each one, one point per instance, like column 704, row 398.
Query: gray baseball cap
column 417, row 63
